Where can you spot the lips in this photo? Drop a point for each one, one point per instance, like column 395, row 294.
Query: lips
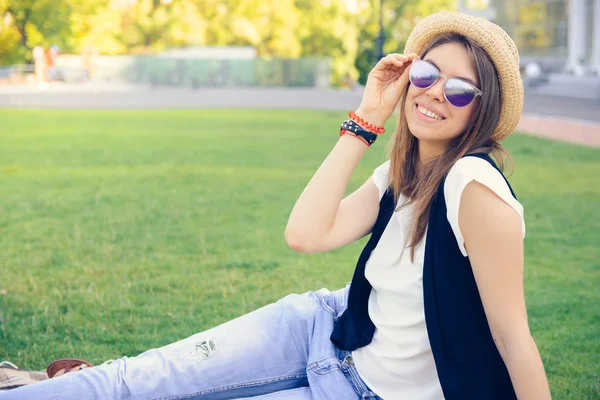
column 433, row 113
column 424, row 118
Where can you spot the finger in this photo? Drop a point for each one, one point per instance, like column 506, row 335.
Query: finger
column 402, row 81
column 399, row 67
column 387, row 61
column 401, row 57
column 397, row 64
column 59, row 372
column 405, row 59
column 395, row 61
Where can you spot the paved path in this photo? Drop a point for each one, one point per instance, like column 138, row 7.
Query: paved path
column 556, row 118
column 563, row 129
column 141, row 97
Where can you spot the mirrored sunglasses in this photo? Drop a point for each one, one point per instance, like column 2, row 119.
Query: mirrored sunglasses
column 457, row 92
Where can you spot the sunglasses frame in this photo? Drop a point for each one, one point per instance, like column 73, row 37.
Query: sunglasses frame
column 478, row 91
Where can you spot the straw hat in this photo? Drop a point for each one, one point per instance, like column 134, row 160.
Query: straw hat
column 497, row 44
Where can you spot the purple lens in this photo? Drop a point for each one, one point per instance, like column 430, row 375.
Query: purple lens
column 459, row 93
column 422, row 74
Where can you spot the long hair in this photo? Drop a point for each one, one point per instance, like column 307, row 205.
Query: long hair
column 419, row 183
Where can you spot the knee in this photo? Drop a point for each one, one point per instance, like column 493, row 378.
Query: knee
column 299, row 307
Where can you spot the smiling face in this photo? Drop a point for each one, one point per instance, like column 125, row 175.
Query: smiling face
column 430, row 118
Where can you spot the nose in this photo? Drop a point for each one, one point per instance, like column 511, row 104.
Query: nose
column 436, row 92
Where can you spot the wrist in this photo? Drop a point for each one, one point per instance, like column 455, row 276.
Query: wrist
column 371, row 117
column 368, row 136
column 354, row 140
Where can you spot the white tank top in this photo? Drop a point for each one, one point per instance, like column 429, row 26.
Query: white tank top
column 398, row 363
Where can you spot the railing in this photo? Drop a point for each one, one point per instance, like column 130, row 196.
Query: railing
column 193, row 72
column 16, row 73
column 228, row 73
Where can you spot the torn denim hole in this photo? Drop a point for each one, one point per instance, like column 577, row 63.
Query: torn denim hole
column 202, row 351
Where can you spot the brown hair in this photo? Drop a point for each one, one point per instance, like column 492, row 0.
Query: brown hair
column 419, row 183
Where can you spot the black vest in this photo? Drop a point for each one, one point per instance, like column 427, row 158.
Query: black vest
column 468, row 363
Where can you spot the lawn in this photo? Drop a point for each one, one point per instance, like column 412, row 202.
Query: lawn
column 126, row 230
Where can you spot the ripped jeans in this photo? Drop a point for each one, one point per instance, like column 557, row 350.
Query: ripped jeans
column 280, row 351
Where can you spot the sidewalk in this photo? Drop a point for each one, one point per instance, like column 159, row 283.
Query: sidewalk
column 572, row 120
column 564, row 129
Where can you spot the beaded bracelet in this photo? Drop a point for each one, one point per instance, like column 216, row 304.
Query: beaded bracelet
column 373, row 128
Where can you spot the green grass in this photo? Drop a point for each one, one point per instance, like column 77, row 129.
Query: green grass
column 122, row 231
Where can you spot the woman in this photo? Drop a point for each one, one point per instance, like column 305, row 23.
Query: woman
column 436, row 307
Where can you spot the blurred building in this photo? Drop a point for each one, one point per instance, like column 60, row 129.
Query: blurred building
column 212, row 52
column 560, row 38
column 563, row 35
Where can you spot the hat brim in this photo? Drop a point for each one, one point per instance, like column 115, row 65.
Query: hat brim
column 497, row 44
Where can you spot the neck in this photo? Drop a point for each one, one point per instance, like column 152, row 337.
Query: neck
column 429, row 150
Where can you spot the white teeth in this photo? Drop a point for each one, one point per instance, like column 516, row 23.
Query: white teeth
column 425, row 111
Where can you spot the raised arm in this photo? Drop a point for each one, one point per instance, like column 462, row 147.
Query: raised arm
column 321, row 220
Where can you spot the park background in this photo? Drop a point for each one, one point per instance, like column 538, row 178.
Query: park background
column 146, row 186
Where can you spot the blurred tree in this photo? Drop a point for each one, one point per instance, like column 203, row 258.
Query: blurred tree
column 142, row 26
column 346, row 31
column 11, row 51
column 367, row 19
column 101, row 28
column 531, row 33
column 38, row 22
column 268, row 25
column 83, row 19
column 399, row 17
column 329, row 29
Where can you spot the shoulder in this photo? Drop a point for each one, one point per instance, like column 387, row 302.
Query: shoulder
column 469, row 169
column 475, row 169
column 381, row 177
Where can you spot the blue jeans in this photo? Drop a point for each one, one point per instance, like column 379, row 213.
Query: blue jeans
column 280, row 351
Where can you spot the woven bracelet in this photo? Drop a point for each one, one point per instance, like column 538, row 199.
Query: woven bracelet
column 366, row 125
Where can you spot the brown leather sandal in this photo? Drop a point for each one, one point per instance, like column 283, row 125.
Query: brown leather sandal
column 67, row 364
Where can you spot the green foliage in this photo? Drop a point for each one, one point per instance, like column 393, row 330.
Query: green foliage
column 11, row 50
column 37, row 22
column 328, row 29
column 126, row 230
column 276, row 28
column 268, row 25
column 399, row 17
